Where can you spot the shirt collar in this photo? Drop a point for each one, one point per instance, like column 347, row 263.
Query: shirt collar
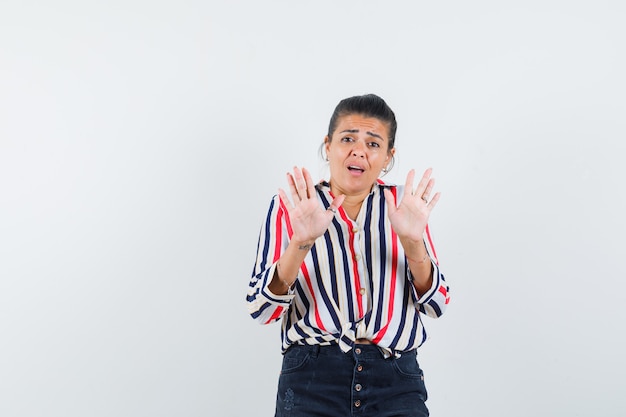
column 378, row 186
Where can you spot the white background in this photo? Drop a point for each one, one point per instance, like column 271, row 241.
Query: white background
column 141, row 142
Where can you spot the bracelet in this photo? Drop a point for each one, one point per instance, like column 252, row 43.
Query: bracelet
column 423, row 259
column 290, row 288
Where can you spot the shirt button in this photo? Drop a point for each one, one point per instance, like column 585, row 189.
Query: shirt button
column 358, row 351
column 358, row 387
column 354, row 230
column 359, row 368
column 357, row 403
column 357, row 256
column 362, row 291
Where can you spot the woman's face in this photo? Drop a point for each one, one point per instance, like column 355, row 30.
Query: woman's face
column 357, row 153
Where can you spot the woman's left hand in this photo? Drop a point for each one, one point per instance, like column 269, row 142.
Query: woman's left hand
column 410, row 217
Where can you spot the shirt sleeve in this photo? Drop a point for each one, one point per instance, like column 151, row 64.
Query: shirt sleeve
column 433, row 302
column 263, row 305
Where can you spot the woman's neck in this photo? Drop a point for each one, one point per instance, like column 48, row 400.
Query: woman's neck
column 352, row 202
column 352, row 208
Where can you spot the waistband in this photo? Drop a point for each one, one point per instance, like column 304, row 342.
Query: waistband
column 362, row 350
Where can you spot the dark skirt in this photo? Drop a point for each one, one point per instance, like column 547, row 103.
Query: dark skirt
column 326, row 382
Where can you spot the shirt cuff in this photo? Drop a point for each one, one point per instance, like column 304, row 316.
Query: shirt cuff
column 433, row 288
column 278, row 299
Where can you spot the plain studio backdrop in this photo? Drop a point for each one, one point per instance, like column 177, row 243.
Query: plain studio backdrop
column 141, row 143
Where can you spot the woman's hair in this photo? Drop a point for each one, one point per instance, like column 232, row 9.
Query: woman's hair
column 368, row 105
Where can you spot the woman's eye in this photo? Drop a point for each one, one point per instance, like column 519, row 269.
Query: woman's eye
column 374, row 144
column 346, row 139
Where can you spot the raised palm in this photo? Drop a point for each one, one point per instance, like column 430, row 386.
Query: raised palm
column 308, row 218
column 410, row 217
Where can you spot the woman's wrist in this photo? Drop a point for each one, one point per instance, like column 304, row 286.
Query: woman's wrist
column 289, row 285
column 302, row 245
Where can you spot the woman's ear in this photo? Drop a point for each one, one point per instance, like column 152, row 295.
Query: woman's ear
column 326, row 145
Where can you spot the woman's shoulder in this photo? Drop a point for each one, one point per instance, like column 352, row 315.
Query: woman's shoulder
column 396, row 189
column 391, row 186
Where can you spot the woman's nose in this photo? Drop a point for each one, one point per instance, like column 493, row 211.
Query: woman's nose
column 358, row 149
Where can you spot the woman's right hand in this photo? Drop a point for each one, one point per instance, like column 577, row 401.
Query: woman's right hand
column 308, row 218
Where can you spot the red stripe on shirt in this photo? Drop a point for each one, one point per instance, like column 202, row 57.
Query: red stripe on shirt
column 276, row 315
column 355, row 267
column 279, row 233
column 430, row 243
column 305, row 272
column 277, row 252
column 444, row 291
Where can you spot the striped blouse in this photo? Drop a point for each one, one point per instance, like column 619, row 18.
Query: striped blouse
column 354, row 283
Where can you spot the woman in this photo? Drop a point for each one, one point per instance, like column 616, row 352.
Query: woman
column 349, row 267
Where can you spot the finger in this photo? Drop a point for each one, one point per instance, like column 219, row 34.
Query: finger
column 300, row 183
column 428, row 190
column 283, row 197
column 292, row 188
column 336, row 203
column 408, row 184
column 433, row 202
column 308, row 180
column 421, row 186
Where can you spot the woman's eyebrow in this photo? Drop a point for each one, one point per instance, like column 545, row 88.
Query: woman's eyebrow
column 357, row 131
